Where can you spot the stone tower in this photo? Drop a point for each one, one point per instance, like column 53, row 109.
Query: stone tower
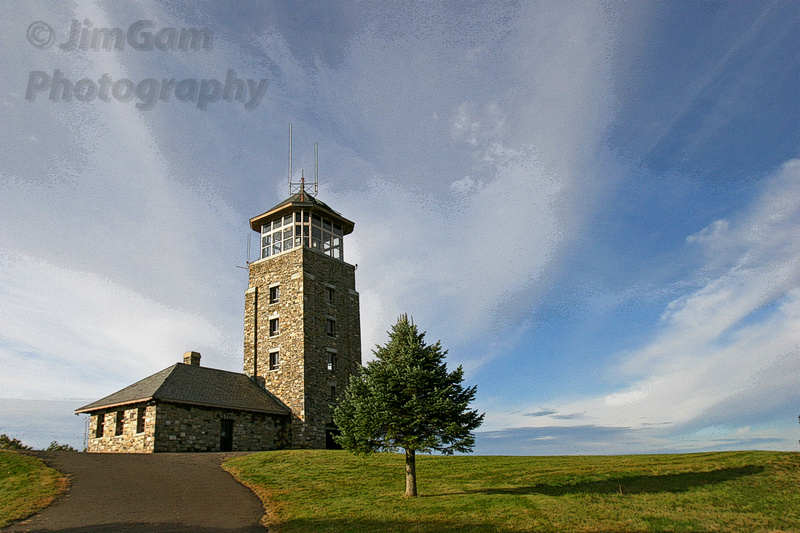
column 302, row 335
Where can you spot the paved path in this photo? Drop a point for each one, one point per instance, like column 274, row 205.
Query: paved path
column 186, row 492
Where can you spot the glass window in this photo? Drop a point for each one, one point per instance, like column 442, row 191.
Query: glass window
column 287, row 220
column 274, row 327
column 120, row 423
column 317, row 221
column 331, row 361
column 316, row 233
column 265, row 227
column 276, row 248
column 326, row 224
column 274, row 360
column 337, row 229
column 297, row 216
column 274, row 294
column 305, row 216
column 140, row 414
column 287, row 233
column 266, row 252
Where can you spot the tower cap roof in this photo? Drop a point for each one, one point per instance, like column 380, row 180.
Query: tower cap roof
column 302, row 200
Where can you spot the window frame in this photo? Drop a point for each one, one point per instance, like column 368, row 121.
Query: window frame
column 274, row 294
column 119, row 427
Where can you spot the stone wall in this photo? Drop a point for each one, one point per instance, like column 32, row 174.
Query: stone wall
column 303, row 381
column 184, row 428
column 130, row 440
column 189, row 428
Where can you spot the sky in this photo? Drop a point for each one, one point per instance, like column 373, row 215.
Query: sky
column 595, row 206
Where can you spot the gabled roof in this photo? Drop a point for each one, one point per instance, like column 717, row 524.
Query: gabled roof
column 195, row 385
column 301, row 200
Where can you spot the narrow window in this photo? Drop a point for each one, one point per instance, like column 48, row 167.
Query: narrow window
column 330, row 295
column 98, row 432
column 274, row 327
column 140, row 413
column 274, row 294
column 120, row 423
column 333, row 393
column 332, row 361
column 330, row 327
column 274, row 360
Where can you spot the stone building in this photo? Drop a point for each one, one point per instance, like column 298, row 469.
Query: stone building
column 188, row 408
column 302, row 342
column 302, row 335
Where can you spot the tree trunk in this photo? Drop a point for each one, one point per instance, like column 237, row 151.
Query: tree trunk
column 411, row 473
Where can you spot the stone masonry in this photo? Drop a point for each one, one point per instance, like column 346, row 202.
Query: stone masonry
column 317, row 294
column 184, row 428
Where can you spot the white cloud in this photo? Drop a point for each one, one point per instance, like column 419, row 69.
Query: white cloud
column 68, row 334
column 729, row 351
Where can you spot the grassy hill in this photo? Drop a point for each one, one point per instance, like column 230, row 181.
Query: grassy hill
column 335, row 491
column 26, row 486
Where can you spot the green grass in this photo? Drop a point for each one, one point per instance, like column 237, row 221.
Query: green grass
column 336, row 491
column 26, row 486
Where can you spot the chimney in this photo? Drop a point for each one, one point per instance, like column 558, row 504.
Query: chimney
column 191, row 358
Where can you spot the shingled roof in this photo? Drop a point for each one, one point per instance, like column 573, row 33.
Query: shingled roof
column 302, row 200
column 195, row 385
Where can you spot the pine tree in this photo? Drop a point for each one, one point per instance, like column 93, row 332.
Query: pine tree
column 407, row 399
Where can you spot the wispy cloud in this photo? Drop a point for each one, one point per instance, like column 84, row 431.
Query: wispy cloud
column 729, row 350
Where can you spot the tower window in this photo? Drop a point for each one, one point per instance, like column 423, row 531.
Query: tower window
column 274, row 294
column 330, row 295
column 333, row 393
column 332, row 361
column 274, row 327
column 274, row 360
column 330, row 327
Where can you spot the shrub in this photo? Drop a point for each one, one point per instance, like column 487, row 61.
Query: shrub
column 56, row 447
column 7, row 443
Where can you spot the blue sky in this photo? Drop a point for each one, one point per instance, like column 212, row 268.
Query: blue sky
column 593, row 205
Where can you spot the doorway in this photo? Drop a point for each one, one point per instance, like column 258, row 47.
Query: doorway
column 226, row 435
column 331, row 444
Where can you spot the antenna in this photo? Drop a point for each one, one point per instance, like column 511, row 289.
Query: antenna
column 295, row 186
column 248, row 253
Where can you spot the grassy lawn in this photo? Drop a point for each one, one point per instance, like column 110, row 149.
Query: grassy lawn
column 26, row 485
column 336, row 491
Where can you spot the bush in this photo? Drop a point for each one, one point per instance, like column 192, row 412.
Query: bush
column 7, row 443
column 56, row 447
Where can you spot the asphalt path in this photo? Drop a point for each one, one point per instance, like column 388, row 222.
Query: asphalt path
column 181, row 492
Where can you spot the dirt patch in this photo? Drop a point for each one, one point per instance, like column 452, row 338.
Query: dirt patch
column 146, row 492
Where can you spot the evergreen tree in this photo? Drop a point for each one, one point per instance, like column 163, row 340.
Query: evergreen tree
column 407, row 399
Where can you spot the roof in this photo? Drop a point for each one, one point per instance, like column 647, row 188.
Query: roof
column 301, row 200
column 195, row 385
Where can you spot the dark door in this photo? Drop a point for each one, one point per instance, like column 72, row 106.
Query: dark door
column 226, row 435
column 331, row 444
